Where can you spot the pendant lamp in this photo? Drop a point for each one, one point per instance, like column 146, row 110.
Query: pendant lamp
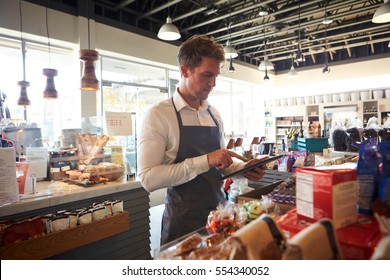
column 50, row 91
column 265, row 64
column 292, row 74
column 168, row 32
column 230, row 52
column 88, row 57
column 23, row 98
column 326, row 69
column 300, row 57
column 266, row 78
column 231, row 67
column 382, row 15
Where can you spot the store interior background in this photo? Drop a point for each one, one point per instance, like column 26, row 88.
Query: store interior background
column 71, row 32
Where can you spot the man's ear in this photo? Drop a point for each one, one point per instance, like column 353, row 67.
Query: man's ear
column 184, row 71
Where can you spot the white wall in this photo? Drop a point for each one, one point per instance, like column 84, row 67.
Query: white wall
column 349, row 77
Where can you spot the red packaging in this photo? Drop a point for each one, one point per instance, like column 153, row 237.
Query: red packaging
column 357, row 241
column 327, row 193
column 290, row 225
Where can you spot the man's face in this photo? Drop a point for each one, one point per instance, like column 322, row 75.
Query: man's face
column 201, row 80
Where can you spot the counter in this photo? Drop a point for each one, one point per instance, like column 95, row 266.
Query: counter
column 132, row 243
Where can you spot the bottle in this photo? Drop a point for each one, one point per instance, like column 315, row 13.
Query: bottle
column 283, row 145
column 22, row 156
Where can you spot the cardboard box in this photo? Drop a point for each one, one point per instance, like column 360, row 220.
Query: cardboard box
column 312, row 144
column 357, row 241
column 327, row 193
column 256, row 194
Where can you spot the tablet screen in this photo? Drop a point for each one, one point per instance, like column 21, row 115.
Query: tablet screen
column 249, row 167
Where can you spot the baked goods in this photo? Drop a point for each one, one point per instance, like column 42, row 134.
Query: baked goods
column 92, row 174
column 184, row 246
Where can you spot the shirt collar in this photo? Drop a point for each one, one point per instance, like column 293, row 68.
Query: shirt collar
column 180, row 103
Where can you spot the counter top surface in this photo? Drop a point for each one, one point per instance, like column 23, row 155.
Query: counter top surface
column 55, row 193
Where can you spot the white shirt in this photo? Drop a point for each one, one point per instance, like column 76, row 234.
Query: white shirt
column 159, row 143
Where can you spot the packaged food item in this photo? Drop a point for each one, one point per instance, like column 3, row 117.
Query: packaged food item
column 117, row 206
column 327, row 193
column 98, row 213
column 384, row 184
column 223, row 219
column 367, row 175
column 60, row 223
column 184, row 246
column 85, row 217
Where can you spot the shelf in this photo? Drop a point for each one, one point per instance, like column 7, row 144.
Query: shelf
column 66, row 240
column 288, row 125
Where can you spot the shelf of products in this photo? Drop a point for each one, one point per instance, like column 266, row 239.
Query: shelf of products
column 370, row 109
column 65, row 240
column 286, row 128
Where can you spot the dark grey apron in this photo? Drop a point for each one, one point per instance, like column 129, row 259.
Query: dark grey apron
column 188, row 205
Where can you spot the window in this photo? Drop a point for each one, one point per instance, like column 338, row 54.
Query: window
column 50, row 115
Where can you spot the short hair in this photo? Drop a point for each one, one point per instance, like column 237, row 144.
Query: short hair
column 195, row 48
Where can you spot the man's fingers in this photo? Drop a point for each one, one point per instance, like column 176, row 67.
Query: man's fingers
column 233, row 154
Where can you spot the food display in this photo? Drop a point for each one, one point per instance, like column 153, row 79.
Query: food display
column 201, row 247
column 93, row 174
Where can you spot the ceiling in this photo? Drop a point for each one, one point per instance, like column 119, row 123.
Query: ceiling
column 351, row 36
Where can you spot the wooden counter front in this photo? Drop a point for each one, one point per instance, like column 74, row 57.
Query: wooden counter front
column 115, row 238
column 66, row 240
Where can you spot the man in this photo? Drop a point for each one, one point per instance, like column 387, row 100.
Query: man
column 181, row 146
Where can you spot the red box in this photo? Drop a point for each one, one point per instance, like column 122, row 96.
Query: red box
column 327, row 193
column 290, row 224
column 357, row 241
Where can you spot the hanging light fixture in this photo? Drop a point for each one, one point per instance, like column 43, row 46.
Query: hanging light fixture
column 266, row 78
column 326, row 69
column 263, row 12
column 50, row 91
column 382, row 15
column 231, row 67
column 88, row 57
column 265, row 64
column 23, row 98
column 292, row 74
column 300, row 57
column 230, row 52
column 168, row 31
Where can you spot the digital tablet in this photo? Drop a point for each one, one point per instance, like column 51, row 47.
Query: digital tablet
column 249, row 167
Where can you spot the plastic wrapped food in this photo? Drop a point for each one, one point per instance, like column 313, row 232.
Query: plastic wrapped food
column 354, row 136
column 340, row 139
column 186, row 245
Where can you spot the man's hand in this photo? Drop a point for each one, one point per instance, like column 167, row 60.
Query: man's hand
column 256, row 173
column 222, row 158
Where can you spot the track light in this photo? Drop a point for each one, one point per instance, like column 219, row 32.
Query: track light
column 382, row 15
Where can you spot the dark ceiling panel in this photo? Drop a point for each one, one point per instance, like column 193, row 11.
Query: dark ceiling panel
column 290, row 23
